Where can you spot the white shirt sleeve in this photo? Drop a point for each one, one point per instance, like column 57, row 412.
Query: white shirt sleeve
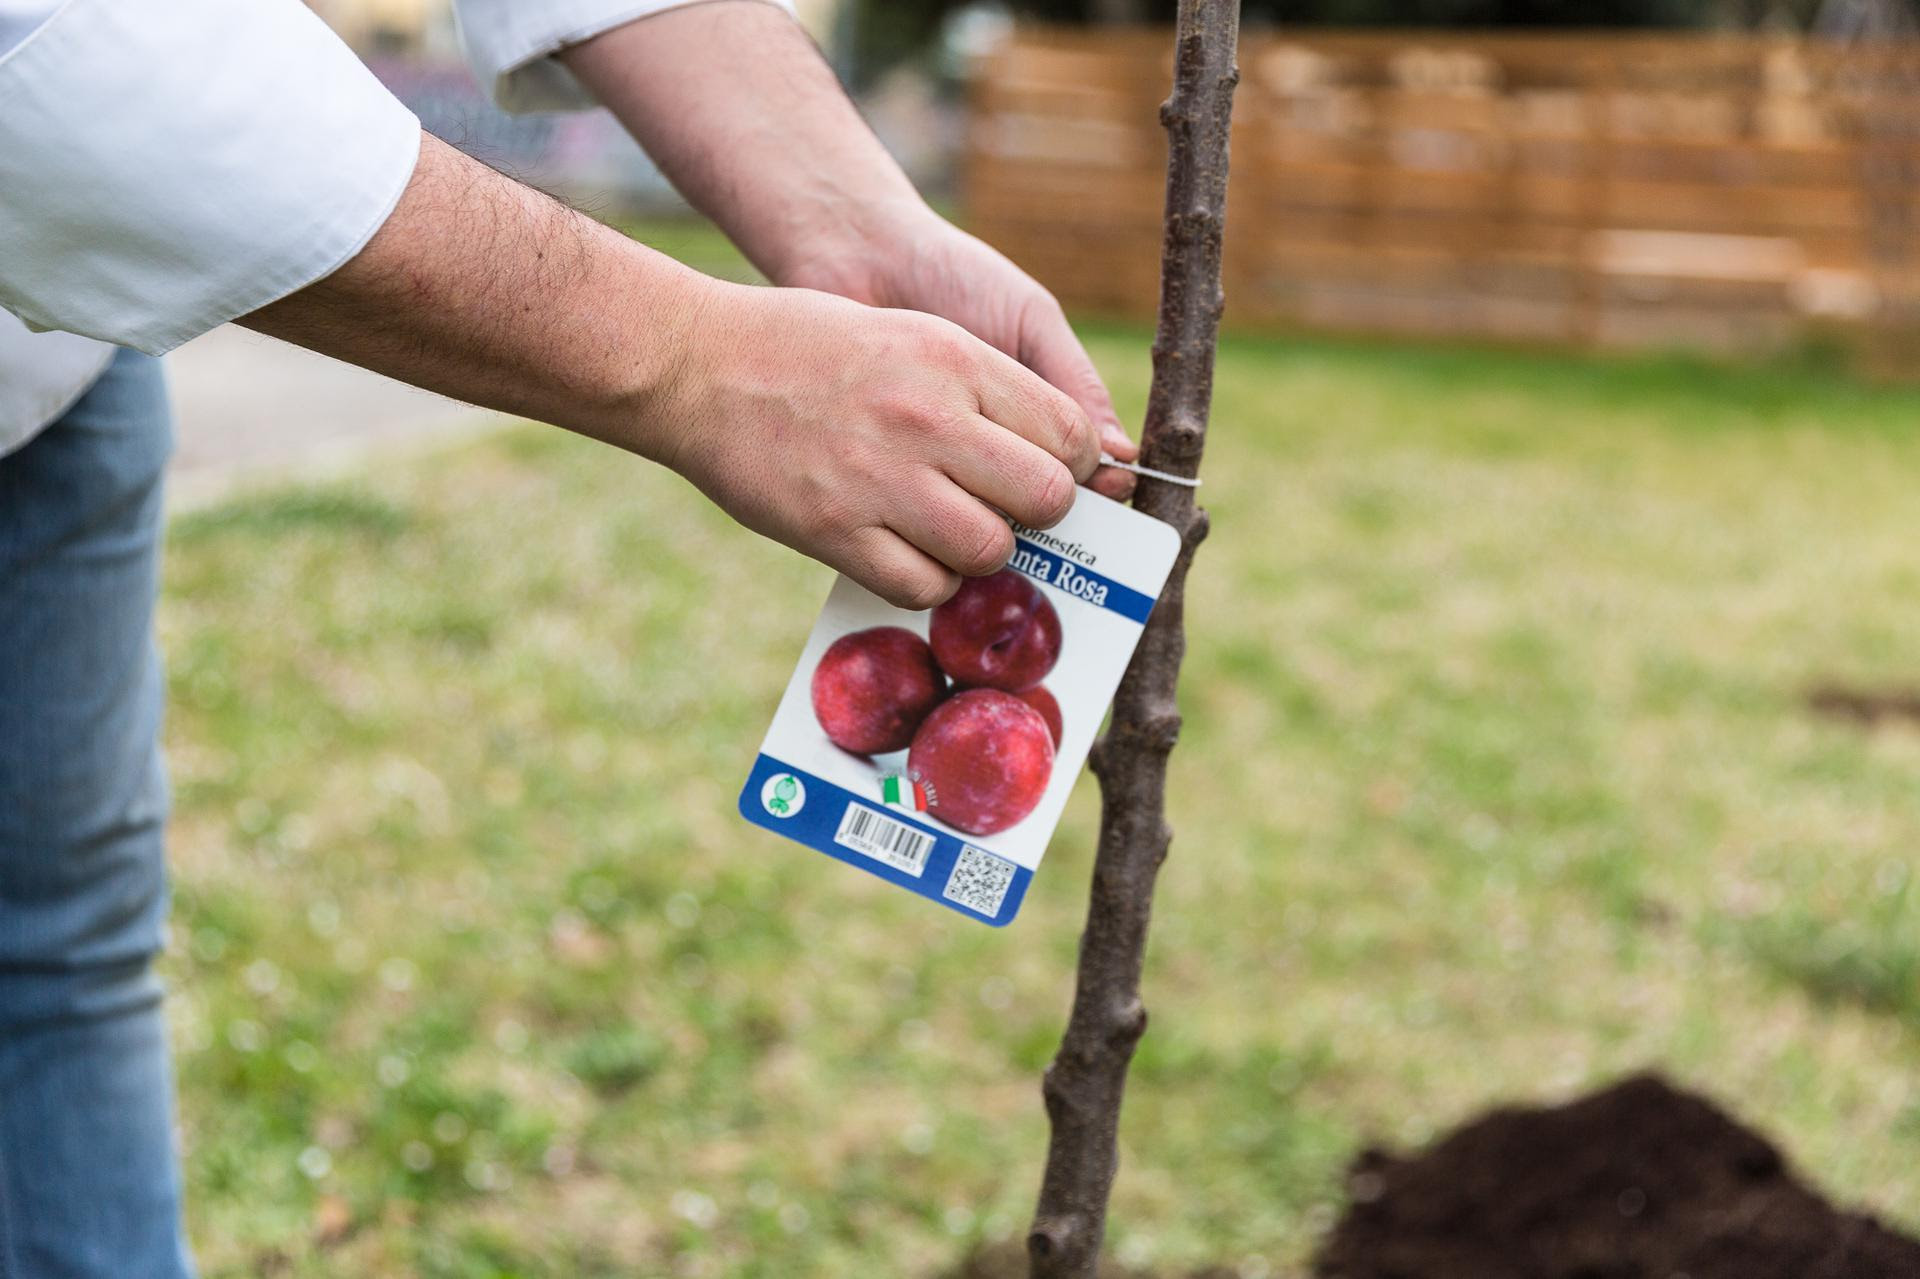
column 167, row 167
column 511, row 44
column 19, row 18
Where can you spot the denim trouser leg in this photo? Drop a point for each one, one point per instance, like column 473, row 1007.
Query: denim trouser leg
column 88, row 1183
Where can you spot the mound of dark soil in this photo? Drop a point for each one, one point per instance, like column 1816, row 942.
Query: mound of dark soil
column 1641, row 1181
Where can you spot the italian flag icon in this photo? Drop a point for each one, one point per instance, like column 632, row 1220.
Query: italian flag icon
column 899, row 792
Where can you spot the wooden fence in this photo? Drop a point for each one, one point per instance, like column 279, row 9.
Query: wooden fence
column 1671, row 190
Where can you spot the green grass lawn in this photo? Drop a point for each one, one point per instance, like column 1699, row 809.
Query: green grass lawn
column 1497, row 781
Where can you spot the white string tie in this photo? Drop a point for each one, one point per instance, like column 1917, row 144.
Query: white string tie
column 1182, row 480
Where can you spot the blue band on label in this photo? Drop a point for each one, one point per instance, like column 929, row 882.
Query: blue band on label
column 1080, row 582
column 862, row 831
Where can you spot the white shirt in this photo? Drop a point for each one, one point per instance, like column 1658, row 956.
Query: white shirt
column 165, row 167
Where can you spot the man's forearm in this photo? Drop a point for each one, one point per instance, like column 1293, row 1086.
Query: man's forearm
column 882, row 442
column 747, row 119
column 488, row 291
column 737, row 106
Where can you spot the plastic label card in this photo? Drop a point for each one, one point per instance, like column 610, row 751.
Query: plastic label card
column 937, row 749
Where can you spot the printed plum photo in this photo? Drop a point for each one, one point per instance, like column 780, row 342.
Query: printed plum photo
column 873, row 688
column 966, row 704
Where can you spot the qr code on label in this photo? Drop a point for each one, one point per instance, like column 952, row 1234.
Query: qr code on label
column 979, row 880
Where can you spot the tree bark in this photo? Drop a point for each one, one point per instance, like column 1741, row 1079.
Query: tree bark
column 1087, row 1079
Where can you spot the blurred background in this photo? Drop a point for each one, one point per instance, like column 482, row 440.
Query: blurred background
column 1550, row 702
column 1660, row 173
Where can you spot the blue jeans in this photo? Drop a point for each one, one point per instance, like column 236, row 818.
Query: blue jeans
column 89, row 1185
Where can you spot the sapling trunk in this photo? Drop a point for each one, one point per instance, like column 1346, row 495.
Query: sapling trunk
column 1085, row 1083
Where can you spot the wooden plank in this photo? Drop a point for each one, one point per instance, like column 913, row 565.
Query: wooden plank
column 1618, row 187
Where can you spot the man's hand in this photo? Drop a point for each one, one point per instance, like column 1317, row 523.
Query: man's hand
column 739, row 109
column 872, row 440
column 928, row 264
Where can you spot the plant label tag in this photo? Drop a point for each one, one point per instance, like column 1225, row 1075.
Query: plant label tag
column 937, row 749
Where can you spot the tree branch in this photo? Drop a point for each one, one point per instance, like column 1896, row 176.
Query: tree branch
column 1085, row 1083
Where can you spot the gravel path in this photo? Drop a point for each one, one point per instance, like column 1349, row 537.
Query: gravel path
column 248, row 406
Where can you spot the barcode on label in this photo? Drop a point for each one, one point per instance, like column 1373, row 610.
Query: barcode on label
column 979, row 880
column 883, row 839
